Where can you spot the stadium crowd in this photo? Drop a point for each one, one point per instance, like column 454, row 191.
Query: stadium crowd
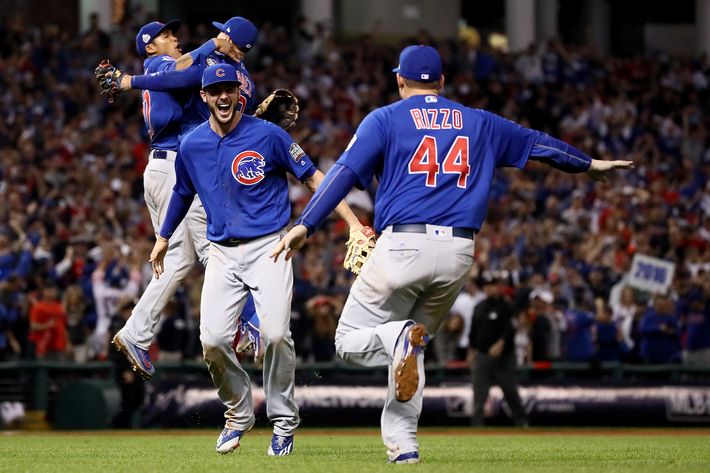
column 75, row 234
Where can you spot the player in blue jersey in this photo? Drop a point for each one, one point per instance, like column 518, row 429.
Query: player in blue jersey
column 241, row 34
column 238, row 165
column 164, row 115
column 434, row 160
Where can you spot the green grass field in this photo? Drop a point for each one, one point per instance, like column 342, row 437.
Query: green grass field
column 360, row 450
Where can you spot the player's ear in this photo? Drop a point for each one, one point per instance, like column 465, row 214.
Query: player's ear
column 150, row 49
column 203, row 95
column 441, row 82
column 400, row 81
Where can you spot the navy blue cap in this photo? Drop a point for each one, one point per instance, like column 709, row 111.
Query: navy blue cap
column 150, row 31
column 241, row 31
column 419, row 63
column 218, row 73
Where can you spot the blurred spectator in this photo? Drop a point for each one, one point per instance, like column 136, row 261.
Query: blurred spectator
column 660, row 337
column 545, row 330
column 456, row 328
column 74, row 305
column 579, row 345
column 627, row 316
column 609, row 337
column 446, row 342
column 171, row 334
column 324, row 313
column 10, row 319
column 113, row 279
column 48, row 326
column 698, row 328
column 523, row 344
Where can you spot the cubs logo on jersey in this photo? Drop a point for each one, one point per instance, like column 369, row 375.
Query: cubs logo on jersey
column 248, row 168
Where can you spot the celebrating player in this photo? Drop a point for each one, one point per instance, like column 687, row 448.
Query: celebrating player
column 434, row 160
column 237, row 164
column 171, row 107
column 163, row 115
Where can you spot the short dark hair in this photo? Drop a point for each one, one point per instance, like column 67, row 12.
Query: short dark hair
column 415, row 84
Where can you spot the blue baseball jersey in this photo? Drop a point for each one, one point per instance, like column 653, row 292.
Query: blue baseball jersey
column 196, row 111
column 434, row 160
column 162, row 111
column 240, row 178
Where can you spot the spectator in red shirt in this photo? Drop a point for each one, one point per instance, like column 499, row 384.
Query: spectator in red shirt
column 48, row 326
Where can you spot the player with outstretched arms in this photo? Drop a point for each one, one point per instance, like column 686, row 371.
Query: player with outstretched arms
column 434, row 160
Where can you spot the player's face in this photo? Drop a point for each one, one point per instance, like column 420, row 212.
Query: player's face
column 167, row 43
column 222, row 100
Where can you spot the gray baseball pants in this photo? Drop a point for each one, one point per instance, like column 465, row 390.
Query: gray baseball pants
column 409, row 277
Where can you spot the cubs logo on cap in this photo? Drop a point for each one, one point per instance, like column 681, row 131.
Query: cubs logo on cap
column 419, row 63
column 241, row 31
column 218, row 73
column 152, row 30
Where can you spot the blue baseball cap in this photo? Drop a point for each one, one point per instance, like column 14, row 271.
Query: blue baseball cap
column 241, row 31
column 218, row 73
column 419, row 63
column 150, row 31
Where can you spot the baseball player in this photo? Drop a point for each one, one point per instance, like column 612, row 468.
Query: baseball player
column 434, row 160
column 237, row 164
column 169, row 111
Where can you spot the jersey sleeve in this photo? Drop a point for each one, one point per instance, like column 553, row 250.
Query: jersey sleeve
column 169, row 79
column 511, row 143
column 180, row 200
column 366, row 149
column 290, row 155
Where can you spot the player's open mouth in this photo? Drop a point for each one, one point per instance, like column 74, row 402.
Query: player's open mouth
column 224, row 110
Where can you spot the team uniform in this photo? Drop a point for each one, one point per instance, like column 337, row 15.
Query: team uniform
column 434, row 160
column 242, row 182
column 171, row 108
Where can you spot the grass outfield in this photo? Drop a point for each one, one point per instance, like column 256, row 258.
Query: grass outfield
column 360, row 450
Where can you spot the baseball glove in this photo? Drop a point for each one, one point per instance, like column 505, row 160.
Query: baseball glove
column 360, row 247
column 109, row 79
column 281, row 108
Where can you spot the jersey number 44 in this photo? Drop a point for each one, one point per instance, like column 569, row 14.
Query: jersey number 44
column 425, row 160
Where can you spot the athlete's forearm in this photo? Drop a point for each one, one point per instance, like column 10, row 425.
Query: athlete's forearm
column 168, row 80
column 342, row 209
column 188, row 59
column 331, row 191
column 559, row 155
column 177, row 209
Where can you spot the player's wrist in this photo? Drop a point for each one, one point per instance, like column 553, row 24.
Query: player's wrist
column 205, row 50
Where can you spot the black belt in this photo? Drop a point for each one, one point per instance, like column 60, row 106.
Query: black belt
column 233, row 241
column 421, row 228
column 160, row 154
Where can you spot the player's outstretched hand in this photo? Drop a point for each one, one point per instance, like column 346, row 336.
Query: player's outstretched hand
column 157, row 256
column 229, row 49
column 293, row 241
column 599, row 168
